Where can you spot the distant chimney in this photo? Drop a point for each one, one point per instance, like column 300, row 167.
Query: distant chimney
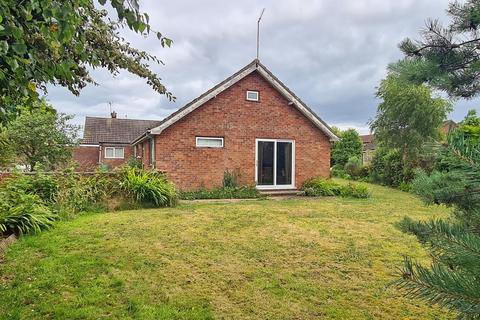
column 113, row 114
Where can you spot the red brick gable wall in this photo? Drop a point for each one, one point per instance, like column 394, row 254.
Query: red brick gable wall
column 87, row 157
column 239, row 122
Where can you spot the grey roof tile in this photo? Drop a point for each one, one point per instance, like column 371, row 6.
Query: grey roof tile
column 113, row 130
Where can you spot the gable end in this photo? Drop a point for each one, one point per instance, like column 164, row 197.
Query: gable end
column 255, row 65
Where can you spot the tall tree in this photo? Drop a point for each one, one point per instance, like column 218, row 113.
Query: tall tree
column 42, row 137
column 453, row 280
column 447, row 57
column 349, row 146
column 57, row 42
column 408, row 116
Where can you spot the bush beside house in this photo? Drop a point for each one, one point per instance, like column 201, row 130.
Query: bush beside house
column 326, row 187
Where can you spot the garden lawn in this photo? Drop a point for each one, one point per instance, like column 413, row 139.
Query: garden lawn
column 305, row 258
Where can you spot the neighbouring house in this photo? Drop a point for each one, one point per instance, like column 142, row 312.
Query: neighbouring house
column 448, row 126
column 369, row 147
column 250, row 124
column 108, row 141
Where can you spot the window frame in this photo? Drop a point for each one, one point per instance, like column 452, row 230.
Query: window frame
column 114, row 156
column 209, row 138
column 253, row 91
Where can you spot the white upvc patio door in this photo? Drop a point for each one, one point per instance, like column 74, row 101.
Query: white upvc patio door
column 275, row 164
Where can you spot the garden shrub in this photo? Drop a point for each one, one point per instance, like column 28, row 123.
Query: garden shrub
column 322, row 187
column 22, row 213
column 351, row 190
column 244, row 192
column 148, row 187
column 40, row 184
column 80, row 193
column 387, row 168
column 338, row 171
column 353, row 167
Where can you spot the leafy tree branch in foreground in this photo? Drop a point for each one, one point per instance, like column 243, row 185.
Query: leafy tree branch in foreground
column 57, row 42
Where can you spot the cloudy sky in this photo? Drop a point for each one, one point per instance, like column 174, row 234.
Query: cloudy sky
column 332, row 54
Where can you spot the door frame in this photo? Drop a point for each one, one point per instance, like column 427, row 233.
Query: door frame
column 274, row 185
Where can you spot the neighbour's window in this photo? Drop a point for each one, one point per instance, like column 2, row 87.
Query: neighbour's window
column 252, row 95
column 114, row 153
column 209, row 142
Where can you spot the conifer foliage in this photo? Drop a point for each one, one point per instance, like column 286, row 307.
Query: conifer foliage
column 453, row 280
column 447, row 57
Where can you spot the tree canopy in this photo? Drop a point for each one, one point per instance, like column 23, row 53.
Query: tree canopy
column 408, row 115
column 58, row 42
column 446, row 57
column 349, row 146
column 41, row 137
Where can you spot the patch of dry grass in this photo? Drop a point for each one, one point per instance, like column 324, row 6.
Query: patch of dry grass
column 323, row 258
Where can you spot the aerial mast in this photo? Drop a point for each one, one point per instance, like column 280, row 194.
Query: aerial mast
column 258, row 32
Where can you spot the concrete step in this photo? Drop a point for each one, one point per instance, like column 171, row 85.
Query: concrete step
column 286, row 192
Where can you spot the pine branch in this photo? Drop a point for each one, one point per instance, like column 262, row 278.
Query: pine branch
column 441, row 286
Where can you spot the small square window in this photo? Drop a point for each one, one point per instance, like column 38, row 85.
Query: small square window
column 209, row 142
column 252, row 95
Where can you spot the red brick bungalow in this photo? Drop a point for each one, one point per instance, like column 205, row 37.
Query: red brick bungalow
column 250, row 123
column 108, row 141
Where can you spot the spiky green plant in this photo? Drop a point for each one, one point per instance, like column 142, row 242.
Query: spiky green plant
column 148, row 187
column 24, row 214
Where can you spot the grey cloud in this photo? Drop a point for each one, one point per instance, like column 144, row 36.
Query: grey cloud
column 331, row 53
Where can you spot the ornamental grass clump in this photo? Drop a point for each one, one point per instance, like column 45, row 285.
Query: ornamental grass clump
column 25, row 203
column 148, row 187
column 22, row 213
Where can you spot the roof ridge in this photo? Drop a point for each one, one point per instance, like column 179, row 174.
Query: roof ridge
column 106, row 118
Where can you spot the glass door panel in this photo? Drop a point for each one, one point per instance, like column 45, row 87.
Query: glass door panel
column 284, row 163
column 266, row 155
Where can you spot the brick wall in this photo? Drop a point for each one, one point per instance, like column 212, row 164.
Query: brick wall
column 87, row 157
column 239, row 122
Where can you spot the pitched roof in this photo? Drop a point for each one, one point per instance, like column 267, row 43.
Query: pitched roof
column 368, row 141
column 113, row 130
column 367, row 138
column 255, row 65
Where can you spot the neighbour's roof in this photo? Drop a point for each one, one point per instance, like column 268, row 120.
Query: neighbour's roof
column 367, row 138
column 255, row 65
column 368, row 141
column 113, row 130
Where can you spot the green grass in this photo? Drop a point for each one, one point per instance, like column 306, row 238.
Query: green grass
column 307, row 258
